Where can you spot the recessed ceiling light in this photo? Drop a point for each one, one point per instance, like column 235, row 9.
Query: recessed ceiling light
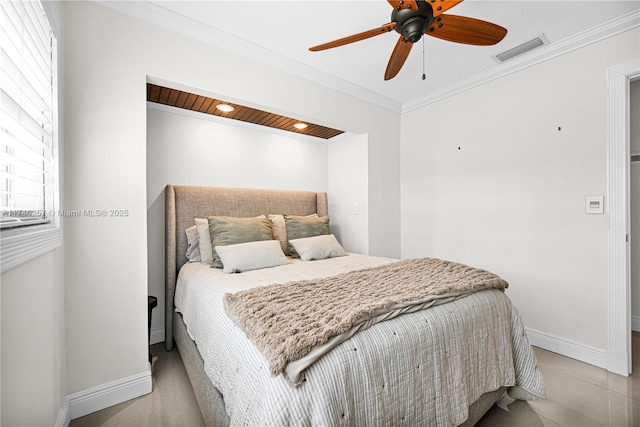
column 225, row 108
column 300, row 126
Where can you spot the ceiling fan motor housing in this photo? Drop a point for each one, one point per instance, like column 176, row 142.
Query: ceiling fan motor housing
column 412, row 24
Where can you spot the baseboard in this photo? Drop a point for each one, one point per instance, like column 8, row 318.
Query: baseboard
column 565, row 347
column 64, row 416
column 157, row 335
column 103, row 396
column 635, row 323
column 618, row 363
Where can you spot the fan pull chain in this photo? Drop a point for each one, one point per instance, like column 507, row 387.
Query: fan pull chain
column 424, row 76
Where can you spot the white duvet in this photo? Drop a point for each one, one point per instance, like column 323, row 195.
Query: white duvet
column 422, row 368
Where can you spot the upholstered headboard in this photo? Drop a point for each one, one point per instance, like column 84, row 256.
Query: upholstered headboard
column 185, row 203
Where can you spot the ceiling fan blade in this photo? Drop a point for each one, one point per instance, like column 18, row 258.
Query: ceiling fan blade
column 461, row 29
column 398, row 57
column 441, row 6
column 355, row 38
column 404, row 4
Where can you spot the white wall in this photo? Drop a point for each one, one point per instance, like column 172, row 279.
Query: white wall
column 184, row 150
column 33, row 384
column 634, row 177
column 489, row 180
column 33, row 342
column 348, row 186
column 108, row 59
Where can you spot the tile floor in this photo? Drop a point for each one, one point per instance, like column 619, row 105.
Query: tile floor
column 578, row 394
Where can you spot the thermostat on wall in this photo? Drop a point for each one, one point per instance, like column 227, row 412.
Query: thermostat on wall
column 595, row 205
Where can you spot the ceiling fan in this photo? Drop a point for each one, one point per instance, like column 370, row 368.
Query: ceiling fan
column 413, row 18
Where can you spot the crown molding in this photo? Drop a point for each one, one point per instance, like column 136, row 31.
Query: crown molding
column 173, row 21
column 158, row 15
column 608, row 29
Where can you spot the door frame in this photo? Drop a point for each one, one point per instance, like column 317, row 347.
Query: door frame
column 619, row 78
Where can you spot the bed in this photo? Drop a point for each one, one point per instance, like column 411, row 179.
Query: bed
column 233, row 386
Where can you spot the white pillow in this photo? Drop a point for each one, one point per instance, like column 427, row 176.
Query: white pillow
column 193, row 238
column 251, row 256
column 206, row 251
column 318, row 247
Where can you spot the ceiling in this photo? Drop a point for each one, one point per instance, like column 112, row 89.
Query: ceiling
column 280, row 32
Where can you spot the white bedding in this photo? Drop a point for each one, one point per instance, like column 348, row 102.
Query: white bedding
column 422, row 368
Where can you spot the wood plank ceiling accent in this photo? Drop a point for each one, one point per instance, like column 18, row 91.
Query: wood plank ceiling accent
column 203, row 104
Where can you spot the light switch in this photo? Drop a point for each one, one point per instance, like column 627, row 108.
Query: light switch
column 595, row 205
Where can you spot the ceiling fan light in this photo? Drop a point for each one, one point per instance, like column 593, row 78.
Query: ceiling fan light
column 225, row 108
column 414, row 28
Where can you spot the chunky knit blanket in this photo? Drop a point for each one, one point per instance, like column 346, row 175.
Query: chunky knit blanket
column 290, row 321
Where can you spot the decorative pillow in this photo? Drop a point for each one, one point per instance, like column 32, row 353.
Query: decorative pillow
column 318, row 247
column 226, row 230
column 280, row 230
column 206, row 251
column 193, row 239
column 299, row 227
column 251, row 256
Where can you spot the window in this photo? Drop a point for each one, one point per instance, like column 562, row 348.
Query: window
column 28, row 132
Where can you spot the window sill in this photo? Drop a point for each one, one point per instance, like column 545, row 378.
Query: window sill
column 18, row 246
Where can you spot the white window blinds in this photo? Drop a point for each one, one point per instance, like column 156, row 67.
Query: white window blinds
column 27, row 66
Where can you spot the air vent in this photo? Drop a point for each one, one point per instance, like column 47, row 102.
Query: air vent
column 525, row 47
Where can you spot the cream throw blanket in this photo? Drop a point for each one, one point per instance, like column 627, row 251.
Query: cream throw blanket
column 293, row 324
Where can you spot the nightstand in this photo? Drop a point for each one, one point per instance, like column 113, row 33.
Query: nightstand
column 153, row 303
